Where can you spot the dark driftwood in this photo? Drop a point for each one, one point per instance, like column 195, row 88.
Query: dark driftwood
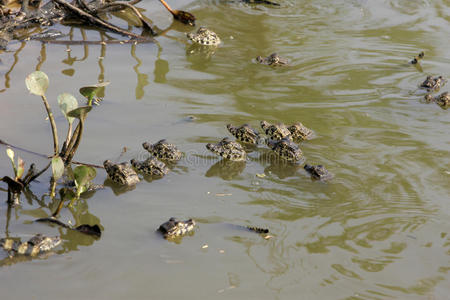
column 95, row 20
column 83, row 12
column 84, row 228
column 122, row 5
column 55, row 11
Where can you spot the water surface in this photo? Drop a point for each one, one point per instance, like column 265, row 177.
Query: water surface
column 378, row 230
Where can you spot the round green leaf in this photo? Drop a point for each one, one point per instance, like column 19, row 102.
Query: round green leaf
column 80, row 112
column 91, row 91
column 83, row 175
column 57, row 167
column 66, row 194
column 67, row 103
column 37, row 83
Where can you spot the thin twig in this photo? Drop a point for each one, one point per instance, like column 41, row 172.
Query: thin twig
column 46, row 156
column 180, row 15
column 30, row 173
column 166, row 5
column 122, row 4
column 84, row 6
column 38, row 174
column 133, row 2
column 23, row 149
column 86, row 164
column 81, row 42
column 53, row 124
column 97, row 21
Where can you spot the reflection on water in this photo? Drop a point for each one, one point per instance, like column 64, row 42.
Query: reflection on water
column 377, row 230
column 118, row 189
column 226, row 169
column 142, row 79
column 71, row 239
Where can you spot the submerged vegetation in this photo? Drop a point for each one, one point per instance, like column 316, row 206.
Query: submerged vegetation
column 37, row 83
column 76, row 181
column 22, row 23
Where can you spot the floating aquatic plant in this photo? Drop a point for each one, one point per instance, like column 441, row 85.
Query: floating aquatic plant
column 91, row 91
column 83, row 175
column 37, row 83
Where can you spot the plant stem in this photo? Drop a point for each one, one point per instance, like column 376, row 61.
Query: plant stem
column 38, row 174
column 167, row 6
column 86, row 164
column 29, row 174
column 52, row 187
column 77, row 142
column 58, row 209
column 71, row 143
column 53, row 124
column 66, row 143
column 69, row 134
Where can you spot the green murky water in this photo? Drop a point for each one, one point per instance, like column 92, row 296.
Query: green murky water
column 379, row 230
